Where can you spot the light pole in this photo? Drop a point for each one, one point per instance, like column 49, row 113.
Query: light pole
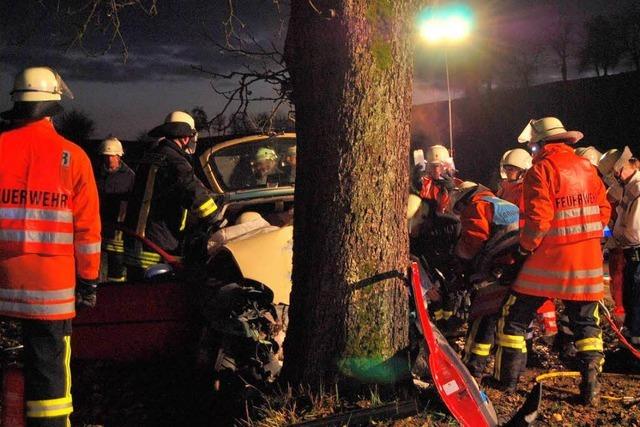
column 446, row 26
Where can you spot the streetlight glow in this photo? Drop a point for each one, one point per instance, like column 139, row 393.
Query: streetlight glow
column 445, row 26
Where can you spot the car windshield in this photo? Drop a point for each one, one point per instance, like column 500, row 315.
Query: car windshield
column 266, row 163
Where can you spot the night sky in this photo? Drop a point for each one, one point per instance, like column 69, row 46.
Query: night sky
column 125, row 99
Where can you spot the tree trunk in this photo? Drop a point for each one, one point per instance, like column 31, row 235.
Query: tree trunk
column 351, row 68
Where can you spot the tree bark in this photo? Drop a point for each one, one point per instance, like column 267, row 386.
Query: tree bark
column 351, row 68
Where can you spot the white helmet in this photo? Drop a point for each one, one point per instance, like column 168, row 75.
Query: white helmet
column 111, row 147
column 613, row 160
column 438, row 154
column 461, row 193
column 590, row 153
column 177, row 124
column 413, row 204
column 548, row 129
column 518, row 158
column 38, row 84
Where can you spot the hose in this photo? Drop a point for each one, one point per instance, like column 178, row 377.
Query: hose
column 575, row 374
column 616, row 330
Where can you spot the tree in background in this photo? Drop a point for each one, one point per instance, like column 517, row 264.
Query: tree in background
column 603, row 46
column 562, row 39
column 630, row 25
column 351, row 67
column 201, row 119
column 75, row 125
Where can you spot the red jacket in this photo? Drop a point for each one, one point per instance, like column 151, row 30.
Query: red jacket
column 49, row 222
column 565, row 211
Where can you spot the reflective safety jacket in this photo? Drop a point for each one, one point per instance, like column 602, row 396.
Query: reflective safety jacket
column 489, row 227
column 434, row 193
column 566, row 209
column 49, row 222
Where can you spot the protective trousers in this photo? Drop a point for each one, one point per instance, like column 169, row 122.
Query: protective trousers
column 480, row 339
column 516, row 315
column 116, row 269
column 631, row 293
column 47, row 354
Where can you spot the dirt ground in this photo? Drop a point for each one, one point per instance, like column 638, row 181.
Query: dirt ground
column 164, row 393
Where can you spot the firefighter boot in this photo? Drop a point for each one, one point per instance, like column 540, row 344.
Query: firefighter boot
column 510, row 366
column 590, row 387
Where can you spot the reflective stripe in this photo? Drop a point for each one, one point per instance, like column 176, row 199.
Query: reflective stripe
column 438, row 314
column 575, row 229
column 51, row 407
column 447, row 314
column 183, row 221
column 596, row 288
column 532, row 233
column 36, row 236
column 589, row 344
column 88, row 248
column 577, row 212
column 14, row 307
column 568, row 275
column 24, row 294
column 114, row 248
column 481, row 349
column 207, row 208
column 116, row 279
column 65, row 216
column 504, row 342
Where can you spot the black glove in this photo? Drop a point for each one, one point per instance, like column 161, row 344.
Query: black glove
column 510, row 271
column 448, row 181
column 86, row 292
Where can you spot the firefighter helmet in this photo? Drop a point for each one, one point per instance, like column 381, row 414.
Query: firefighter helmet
column 461, row 194
column 518, row 158
column 613, row 160
column 548, row 129
column 37, row 84
column 36, row 94
column 111, row 147
column 590, row 153
column 437, row 154
column 177, row 124
column 265, row 153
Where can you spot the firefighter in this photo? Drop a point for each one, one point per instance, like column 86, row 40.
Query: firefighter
column 489, row 231
column 49, row 239
column 616, row 254
column 115, row 182
column 617, row 166
column 565, row 212
column 513, row 165
column 177, row 190
column 439, row 231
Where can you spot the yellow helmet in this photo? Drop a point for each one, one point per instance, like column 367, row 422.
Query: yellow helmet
column 590, row 153
column 111, row 147
column 517, row 157
column 265, row 153
column 38, row 84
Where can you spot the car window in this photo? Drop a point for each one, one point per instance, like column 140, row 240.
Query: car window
column 266, row 163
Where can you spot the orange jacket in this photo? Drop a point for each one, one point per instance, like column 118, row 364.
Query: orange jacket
column 565, row 211
column 485, row 220
column 49, row 222
column 434, row 190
